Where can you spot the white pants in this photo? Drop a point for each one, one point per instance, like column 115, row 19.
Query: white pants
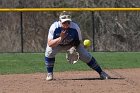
column 85, row 56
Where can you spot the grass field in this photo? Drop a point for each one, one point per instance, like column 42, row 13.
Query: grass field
column 11, row 63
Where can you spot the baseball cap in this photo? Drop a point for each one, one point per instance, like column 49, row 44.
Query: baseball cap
column 65, row 16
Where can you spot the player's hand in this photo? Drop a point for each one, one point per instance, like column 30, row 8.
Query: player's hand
column 63, row 34
column 72, row 50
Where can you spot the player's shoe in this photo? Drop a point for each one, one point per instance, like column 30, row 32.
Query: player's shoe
column 49, row 76
column 104, row 75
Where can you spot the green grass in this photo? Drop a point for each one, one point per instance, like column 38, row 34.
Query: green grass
column 118, row 60
column 11, row 63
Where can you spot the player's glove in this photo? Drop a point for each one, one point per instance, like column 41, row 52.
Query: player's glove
column 72, row 56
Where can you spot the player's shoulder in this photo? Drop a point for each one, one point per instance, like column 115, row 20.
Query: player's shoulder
column 54, row 26
column 56, row 23
column 74, row 25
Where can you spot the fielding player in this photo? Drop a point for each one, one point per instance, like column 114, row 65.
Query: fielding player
column 63, row 35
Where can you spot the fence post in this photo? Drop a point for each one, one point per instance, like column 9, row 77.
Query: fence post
column 93, row 29
column 21, row 31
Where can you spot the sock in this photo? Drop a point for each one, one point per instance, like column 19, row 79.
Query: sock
column 49, row 62
column 94, row 65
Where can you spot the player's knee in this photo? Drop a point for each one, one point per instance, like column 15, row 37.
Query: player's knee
column 49, row 61
column 86, row 58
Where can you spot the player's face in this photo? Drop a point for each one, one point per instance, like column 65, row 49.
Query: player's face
column 66, row 25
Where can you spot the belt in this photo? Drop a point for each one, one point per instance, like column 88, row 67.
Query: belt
column 64, row 44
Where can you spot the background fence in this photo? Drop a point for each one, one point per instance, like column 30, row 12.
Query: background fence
column 108, row 30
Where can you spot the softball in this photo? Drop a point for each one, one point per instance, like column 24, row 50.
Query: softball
column 87, row 43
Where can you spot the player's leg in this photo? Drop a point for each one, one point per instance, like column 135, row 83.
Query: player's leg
column 86, row 57
column 50, row 60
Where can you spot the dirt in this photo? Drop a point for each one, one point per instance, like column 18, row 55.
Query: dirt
column 122, row 81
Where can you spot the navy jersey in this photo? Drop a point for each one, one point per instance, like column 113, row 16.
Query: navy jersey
column 73, row 33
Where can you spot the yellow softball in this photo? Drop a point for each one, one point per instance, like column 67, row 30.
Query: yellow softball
column 87, row 42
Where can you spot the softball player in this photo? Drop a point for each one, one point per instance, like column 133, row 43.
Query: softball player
column 63, row 35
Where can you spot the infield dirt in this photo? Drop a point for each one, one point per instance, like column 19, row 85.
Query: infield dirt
column 122, row 81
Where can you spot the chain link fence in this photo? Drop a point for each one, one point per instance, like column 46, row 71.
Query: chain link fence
column 109, row 31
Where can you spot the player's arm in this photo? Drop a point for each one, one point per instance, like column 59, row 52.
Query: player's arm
column 78, row 37
column 57, row 41
column 54, row 42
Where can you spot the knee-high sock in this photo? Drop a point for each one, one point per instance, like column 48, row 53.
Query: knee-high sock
column 49, row 62
column 94, row 65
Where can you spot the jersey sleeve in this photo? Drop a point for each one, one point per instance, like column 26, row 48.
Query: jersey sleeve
column 79, row 32
column 51, row 31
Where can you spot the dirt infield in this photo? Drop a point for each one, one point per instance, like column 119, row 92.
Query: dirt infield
column 122, row 81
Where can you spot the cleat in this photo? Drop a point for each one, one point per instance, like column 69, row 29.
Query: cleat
column 49, row 77
column 104, row 76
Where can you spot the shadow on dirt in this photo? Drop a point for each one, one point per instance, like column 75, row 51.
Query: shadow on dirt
column 94, row 79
